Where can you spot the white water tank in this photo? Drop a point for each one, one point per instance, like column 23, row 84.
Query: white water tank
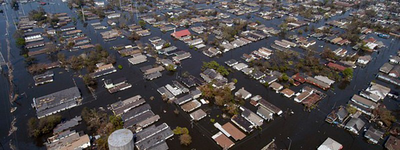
column 121, row 139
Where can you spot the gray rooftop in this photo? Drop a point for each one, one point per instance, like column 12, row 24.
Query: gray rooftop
column 135, row 112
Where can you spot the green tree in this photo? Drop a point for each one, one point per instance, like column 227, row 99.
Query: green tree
column 89, row 80
column 117, row 122
column 285, row 77
column 20, row 42
column 43, row 126
column 180, row 130
column 234, row 80
column 217, row 67
column 351, row 109
column 142, row 23
column 171, row 68
column 348, row 73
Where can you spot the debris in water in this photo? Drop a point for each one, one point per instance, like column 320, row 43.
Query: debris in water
column 13, row 109
column 13, row 128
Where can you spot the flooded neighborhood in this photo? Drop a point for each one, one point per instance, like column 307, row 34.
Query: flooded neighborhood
column 200, row 74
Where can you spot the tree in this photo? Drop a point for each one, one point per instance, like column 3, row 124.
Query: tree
column 117, row 122
column 385, row 116
column 43, row 126
column 351, row 109
column 234, row 80
column 180, row 130
column 170, row 68
column 20, row 42
column 185, row 139
column 142, row 23
column 285, row 77
column 217, row 67
column 348, row 73
column 89, row 80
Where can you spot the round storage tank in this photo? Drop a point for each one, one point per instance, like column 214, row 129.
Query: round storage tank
column 121, row 139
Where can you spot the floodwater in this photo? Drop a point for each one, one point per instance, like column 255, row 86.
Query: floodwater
column 306, row 130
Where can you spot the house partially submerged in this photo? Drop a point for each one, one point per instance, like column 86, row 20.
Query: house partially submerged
column 222, row 140
column 250, row 116
column 233, row 131
column 392, row 143
column 330, row 144
column 373, row 135
column 198, row 115
column 355, row 125
column 57, row 102
column 242, row 93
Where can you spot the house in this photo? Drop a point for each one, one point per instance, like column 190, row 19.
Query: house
column 250, row 116
column 257, row 75
column 355, row 125
column 265, row 113
column 247, row 71
column 57, row 102
column 340, row 52
column 342, row 113
column 371, row 96
column 113, row 15
column 231, row 62
column 276, row 86
column 373, row 135
column 72, row 141
column 124, row 106
column 268, row 80
column 116, row 85
column 211, row 52
column 242, row 123
column 210, row 74
column 198, row 115
column 363, row 102
column 395, row 72
column 337, row 116
column 267, row 105
column 233, row 131
column 222, row 140
column 363, row 60
column 242, row 93
column 318, row 83
column 386, row 68
column 181, row 34
column 302, row 96
column 287, row 92
column 394, row 59
column 330, row 144
column 137, row 59
column 190, row 106
column 392, row 143
column 299, row 77
column 336, row 66
column 378, row 89
column 324, row 79
column 240, row 66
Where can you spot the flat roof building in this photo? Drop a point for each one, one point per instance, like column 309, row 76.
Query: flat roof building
column 57, row 102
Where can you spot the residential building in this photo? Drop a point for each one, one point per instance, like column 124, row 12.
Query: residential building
column 355, row 125
column 373, row 135
column 242, row 93
column 330, row 144
column 57, row 102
